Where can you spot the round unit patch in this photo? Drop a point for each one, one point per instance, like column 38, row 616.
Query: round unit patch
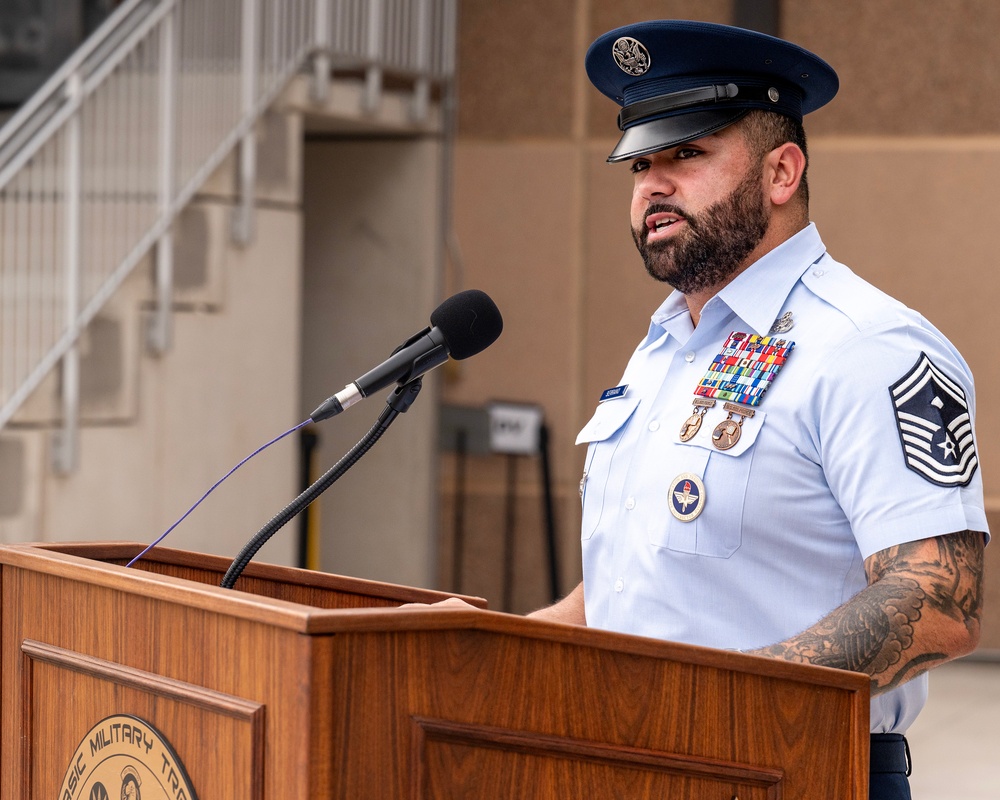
column 125, row 757
column 631, row 56
column 687, row 496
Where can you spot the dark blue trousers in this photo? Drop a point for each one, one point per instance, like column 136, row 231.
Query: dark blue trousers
column 889, row 767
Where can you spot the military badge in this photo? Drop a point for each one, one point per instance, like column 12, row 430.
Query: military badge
column 692, row 424
column 727, row 433
column 745, row 368
column 631, row 56
column 741, row 373
column 783, row 324
column 687, row 496
column 935, row 429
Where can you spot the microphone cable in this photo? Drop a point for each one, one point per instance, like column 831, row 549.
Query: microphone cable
column 216, row 486
column 398, row 403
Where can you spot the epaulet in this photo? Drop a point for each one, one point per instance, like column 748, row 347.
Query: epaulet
column 860, row 302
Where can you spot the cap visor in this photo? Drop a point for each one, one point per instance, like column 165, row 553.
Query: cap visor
column 644, row 138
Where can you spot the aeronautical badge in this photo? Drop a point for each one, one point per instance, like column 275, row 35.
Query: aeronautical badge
column 687, row 497
column 784, row 323
column 631, row 56
column 935, row 429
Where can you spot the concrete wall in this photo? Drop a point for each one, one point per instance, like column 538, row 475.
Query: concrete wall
column 370, row 266
column 903, row 177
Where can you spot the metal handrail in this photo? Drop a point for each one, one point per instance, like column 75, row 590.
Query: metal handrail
column 97, row 164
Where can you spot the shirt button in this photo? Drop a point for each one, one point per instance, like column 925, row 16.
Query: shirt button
column 689, row 356
column 630, row 503
column 654, row 425
column 819, row 273
column 619, row 585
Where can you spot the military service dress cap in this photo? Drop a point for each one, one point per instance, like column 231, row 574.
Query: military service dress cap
column 678, row 80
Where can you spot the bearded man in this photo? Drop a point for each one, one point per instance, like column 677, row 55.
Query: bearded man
column 788, row 465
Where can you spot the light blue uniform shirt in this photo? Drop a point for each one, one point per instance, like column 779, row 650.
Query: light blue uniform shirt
column 818, row 481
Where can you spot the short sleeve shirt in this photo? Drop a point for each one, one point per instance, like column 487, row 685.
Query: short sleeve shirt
column 847, row 453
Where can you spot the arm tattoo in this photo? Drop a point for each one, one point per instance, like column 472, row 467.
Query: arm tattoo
column 867, row 634
column 953, row 576
column 878, row 631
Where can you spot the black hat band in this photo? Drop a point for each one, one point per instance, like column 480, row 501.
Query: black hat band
column 703, row 95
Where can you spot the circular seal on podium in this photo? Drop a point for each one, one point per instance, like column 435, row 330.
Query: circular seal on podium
column 125, row 757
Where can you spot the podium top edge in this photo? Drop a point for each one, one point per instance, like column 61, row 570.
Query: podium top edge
column 82, row 562
column 102, row 564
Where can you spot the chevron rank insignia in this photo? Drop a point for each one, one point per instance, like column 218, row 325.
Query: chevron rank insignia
column 935, row 429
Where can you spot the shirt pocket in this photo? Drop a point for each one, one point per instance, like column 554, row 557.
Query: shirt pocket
column 603, row 434
column 717, row 532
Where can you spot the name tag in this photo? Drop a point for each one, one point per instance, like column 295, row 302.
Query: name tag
column 611, row 394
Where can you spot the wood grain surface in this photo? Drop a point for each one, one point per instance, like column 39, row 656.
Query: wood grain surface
column 301, row 685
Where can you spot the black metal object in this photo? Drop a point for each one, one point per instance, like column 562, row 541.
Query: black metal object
column 549, row 510
column 308, row 444
column 465, row 432
column 763, row 16
column 458, row 517
column 398, row 403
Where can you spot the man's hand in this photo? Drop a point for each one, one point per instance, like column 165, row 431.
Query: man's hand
column 451, row 602
column 570, row 609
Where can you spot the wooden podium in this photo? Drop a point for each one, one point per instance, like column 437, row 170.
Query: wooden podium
column 304, row 685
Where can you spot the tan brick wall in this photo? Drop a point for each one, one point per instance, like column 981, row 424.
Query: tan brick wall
column 906, row 68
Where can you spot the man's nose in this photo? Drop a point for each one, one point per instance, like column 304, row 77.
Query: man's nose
column 655, row 183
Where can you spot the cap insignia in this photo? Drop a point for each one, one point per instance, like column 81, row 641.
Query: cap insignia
column 631, row 56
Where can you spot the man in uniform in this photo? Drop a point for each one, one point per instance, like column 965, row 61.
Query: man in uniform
column 788, row 465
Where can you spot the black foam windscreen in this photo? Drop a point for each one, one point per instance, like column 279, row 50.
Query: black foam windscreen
column 469, row 321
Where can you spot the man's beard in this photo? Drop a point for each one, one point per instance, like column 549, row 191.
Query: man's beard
column 716, row 242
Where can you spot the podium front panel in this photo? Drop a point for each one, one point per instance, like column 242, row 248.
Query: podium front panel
column 160, row 678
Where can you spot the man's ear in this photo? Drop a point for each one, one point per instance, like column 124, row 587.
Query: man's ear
column 783, row 170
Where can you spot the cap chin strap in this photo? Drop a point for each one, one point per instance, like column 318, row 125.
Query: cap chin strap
column 717, row 93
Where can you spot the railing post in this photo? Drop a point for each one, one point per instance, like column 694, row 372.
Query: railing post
column 321, row 53
column 160, row 333
column 373, row 54
column 243, row 216
column 448, row 42
column 422, row 35
column 65, row 441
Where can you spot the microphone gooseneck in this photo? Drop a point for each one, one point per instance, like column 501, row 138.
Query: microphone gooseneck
column 397, row 403
column 463, row 325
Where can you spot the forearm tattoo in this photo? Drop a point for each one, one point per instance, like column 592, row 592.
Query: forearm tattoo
column 893, row 629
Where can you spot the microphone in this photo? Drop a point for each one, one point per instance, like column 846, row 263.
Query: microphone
column 463, row 325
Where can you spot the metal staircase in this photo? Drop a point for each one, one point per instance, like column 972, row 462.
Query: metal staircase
column 95, row 168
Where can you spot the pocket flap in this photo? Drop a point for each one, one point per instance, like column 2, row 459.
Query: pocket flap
column 609, row 418
column 748, row 433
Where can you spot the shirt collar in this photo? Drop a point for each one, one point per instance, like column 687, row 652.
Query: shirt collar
column 671, row 317
column 754, row 298
column 758, row 294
